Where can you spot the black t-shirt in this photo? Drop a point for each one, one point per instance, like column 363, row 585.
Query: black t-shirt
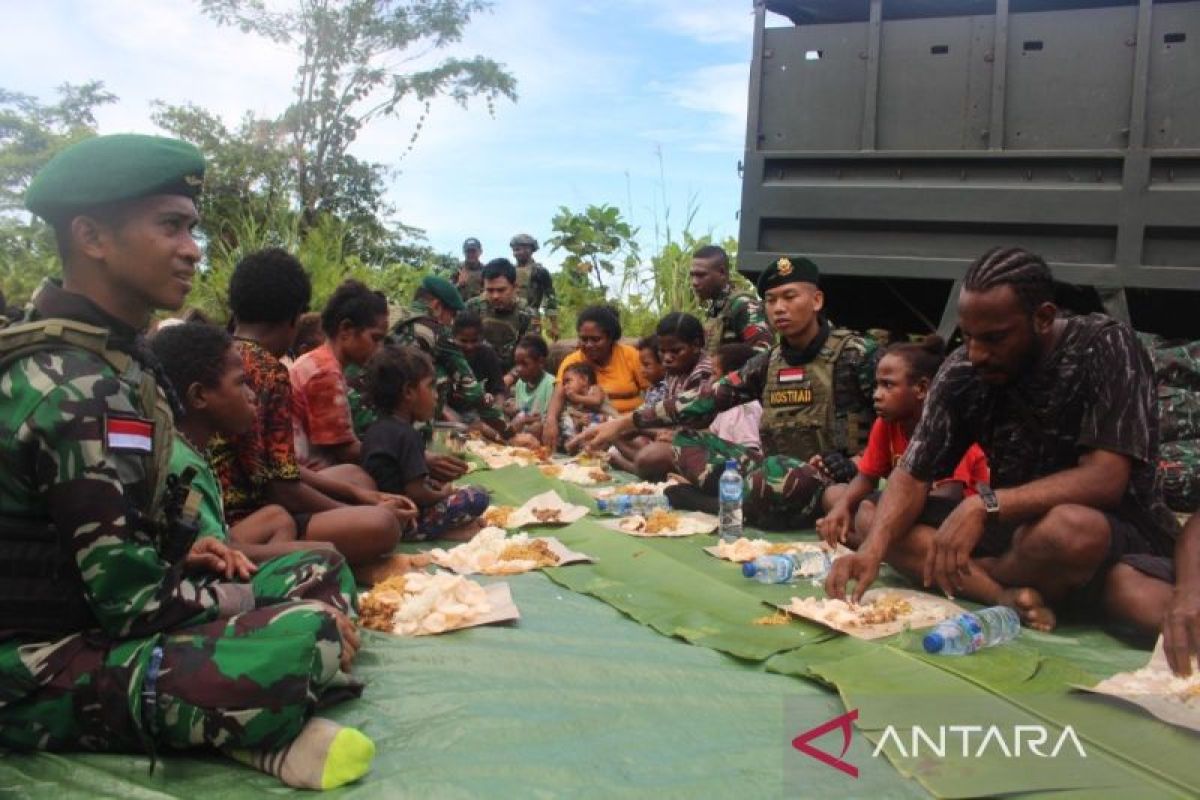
column 393, row 454
column 1095, row 391
column 486, row 366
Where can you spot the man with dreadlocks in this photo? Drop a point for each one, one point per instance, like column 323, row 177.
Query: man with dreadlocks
column 1064, row 407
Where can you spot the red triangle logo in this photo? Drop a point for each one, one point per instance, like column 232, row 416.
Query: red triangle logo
column 844, row 722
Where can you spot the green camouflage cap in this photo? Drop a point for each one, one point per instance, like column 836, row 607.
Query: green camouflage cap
column 109, row 169
column 788, row 270
column 443, row 290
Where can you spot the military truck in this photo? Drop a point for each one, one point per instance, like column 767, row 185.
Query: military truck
column 893, row 141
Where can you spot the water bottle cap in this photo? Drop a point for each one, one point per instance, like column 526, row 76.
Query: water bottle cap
column 934, row 642
column 749, row 569
column 731, row 463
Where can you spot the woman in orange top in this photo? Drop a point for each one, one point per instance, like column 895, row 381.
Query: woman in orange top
column 618, row 369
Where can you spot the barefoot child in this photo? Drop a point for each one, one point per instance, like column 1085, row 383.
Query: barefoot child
column 399, row 382
column 532, row 391
column 902, row 380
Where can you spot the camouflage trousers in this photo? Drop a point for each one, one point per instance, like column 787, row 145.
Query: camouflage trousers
column 251, row 680
column 1179, row 471
column 779, row 492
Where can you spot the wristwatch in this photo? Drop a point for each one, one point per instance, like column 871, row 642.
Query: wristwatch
column 991, row 504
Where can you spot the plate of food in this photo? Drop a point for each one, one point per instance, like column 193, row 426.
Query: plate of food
column 743, row 549
column 1158, row 690
column 661, row 522
column 641, row 488
column 581, row 474
column 490, row 552
column 882, row 612
column 546, row 508
column 498, row 456
column 424, row 604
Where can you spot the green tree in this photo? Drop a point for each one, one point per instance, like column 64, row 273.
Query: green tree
column 348, row 78
column 598, row 242
column 31, row 133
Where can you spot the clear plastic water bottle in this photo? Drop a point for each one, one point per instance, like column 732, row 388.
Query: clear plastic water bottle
column 771, row 569
column 730, row 495
column 969, row 632
column 622, row 505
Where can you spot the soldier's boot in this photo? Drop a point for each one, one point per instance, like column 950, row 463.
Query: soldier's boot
column 325, row 755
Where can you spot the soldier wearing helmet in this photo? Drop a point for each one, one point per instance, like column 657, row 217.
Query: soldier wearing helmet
column 533, row 281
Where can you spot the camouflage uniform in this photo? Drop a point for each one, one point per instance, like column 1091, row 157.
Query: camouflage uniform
column 468, row 279
column 143, row 654
column 536, row 286
column 736, row 317
column 1177, row 373
column 503, row 329
column 456, row 384
column 814, row 402
column 1179, row 471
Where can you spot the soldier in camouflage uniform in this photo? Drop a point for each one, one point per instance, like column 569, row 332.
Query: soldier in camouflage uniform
column 425, row 324
column 468, row 278
column 730, row 316
column 816, row 390
column 505, row 316
column 119, row 631
column 535, row 284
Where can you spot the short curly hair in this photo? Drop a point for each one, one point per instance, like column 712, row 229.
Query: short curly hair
column 605, row 317
column 269, row 286
column 390, row 371
column 192, row 352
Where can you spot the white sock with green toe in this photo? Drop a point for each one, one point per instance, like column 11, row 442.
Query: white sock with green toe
column 325, row 755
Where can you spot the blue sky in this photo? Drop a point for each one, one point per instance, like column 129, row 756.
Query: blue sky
column 636, row 103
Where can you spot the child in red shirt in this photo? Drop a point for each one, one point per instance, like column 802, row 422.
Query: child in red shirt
column 902, row 380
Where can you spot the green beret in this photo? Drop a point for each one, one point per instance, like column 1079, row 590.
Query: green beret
column 109, row 169
column 788, row 270
column 443, row 290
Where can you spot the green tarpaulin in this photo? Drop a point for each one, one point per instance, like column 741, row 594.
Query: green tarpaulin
column 578, row 699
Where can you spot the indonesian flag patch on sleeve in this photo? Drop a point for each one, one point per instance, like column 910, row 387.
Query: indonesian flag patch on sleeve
column 791, row 375
column 128, row 435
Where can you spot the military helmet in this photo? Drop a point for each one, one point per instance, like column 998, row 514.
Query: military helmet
column 523, row 239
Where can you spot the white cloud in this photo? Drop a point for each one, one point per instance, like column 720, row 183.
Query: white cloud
column 706, row 21
column 719, row 91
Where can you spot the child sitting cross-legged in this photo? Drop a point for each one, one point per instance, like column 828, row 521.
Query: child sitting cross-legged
column 206, row 370
column 399, row 383
column 902, row 380
column 531, row 391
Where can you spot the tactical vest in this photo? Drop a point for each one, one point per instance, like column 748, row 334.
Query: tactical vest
column 715, row 328
column 524, row 282
column 502, row 333
column 798, row 418
column 41, row 590
column 472, row 282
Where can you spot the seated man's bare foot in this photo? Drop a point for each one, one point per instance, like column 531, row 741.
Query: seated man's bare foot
column 463, row 533
column 395, row 564
column 1030, row 606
